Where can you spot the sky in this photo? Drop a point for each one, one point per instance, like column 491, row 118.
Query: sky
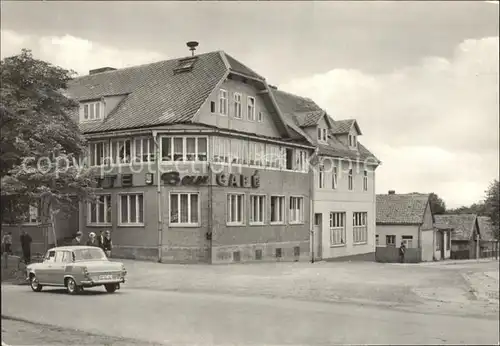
column 421, row 78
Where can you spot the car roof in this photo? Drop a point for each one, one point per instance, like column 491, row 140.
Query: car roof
column 71, row 248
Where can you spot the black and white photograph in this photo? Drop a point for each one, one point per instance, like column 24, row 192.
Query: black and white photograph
column 249, row 172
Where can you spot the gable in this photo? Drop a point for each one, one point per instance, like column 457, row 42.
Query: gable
column 428, row 219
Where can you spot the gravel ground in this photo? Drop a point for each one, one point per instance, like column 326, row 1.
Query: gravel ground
column 16, row 332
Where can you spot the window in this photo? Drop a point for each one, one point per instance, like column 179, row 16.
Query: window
column 438, row 241
column 325, row 135
column 352, row 141
column 250, row 108
column 319, row 134
column 223, row 102
column 359, row 227
column 376, row 240
column 237, row 105
column 92, row 111
column 365, row 180
column 184, row 209
column 32, row 216
column 144, row 150
column 98, row 152
column 349, row 180
column 274, row 156
column 235, row 209
column 390, row 240
column 321, row 177
column 184, row 148
column 277, row 209
column 296, row 206
column 301, row 160
column 257, row 154
column 212, row 107
column 132, row 209
column 408, row 241
column 221, row 149
column 99, row 212
column 334, row 177
column 337, row 228
column 322, row 134
column 289, row 158
column 260, row 117
column 257, row 209
column 448, row 240
column 121, row 151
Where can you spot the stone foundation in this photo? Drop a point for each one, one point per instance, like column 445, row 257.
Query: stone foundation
column 266, row 252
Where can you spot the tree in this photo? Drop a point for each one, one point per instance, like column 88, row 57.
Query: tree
column 492, row 206
column 475, row 208
column 40, row 140
column 437, row 204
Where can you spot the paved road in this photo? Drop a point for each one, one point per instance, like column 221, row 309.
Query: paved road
column 210, row 319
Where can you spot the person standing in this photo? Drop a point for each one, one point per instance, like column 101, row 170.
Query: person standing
column 101, row 239
column 107, row 243
column 77, row 240
column 26, row 246
column 92, row 240
column 7, row 243
column 402, row 250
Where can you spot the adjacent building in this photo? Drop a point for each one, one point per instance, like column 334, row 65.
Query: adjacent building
column 408, row 219
column 465, row 237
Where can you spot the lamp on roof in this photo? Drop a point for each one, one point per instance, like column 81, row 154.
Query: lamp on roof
column 192, row 46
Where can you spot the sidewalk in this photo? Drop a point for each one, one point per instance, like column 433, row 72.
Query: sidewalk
column 449, row 262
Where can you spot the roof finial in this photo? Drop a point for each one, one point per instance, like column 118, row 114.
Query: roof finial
column 192, row 46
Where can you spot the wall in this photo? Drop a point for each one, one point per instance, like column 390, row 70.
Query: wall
column 265, row 128
column 248, row 238
column 428, row 245
column 399, row 231
column 428, row 221
column 391, row 255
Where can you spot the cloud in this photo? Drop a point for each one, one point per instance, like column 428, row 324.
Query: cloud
column 435, row 125
column 74, row 53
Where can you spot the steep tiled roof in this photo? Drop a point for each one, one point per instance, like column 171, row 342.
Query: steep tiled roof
column 154, row 95
column 401, row 209
column 292, row 104
column 462, row 224
column 309, row 118
column 342, row 126
column 237, row 66
column 336, row 148
column 485, row 227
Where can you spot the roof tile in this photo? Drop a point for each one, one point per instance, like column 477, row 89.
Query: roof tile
column 462, row 224
column 401, row 209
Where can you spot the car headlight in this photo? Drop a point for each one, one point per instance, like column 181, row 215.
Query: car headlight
column 124, row 271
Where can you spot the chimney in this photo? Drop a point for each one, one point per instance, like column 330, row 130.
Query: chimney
column 192, row 46
column 392, row 192
column 101, row 70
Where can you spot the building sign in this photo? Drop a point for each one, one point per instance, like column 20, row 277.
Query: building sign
column 238, row 180
column 174, row 178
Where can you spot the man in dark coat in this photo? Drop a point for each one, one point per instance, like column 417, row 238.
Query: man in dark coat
column 26, row 246
column 77, row 240
column 402, row 250
column 107, row 244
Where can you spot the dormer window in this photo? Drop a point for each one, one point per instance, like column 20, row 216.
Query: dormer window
column 185, row 65
column 322, row 135
column 92, row 111
column 353, row 142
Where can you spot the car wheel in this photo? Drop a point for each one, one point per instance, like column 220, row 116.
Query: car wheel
column 110, row 288
column 71, row 286
column 34, row 284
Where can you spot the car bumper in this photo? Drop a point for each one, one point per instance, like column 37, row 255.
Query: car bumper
column 91, row 283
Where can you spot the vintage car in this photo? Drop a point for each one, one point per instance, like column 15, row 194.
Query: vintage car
column 76, row 267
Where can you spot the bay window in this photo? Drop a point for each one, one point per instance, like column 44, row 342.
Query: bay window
column 188, row 148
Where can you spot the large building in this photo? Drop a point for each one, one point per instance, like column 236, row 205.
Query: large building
column 200, row 160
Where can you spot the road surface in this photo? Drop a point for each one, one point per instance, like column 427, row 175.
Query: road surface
column 210, row 319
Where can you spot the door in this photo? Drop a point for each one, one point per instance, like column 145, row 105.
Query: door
column 317, row 236
column 443, row 244
column 55, row 271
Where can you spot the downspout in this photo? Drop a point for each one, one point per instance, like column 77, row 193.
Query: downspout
column 210, row 211
column 158, row 197
column 311, row 207
column 419, row 242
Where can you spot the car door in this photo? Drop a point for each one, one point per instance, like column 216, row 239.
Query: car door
column 42, row 271
column 56, row 269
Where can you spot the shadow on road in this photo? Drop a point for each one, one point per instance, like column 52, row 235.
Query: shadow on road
column 84, row 293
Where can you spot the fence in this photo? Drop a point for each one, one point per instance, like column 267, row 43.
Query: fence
column 389, row 254
column 460, row 254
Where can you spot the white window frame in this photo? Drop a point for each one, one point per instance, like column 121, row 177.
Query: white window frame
column 408, row 241
column 353, row 143
column 256, row 154
column 282, row 206
column 260, row 116
column 261, row 200
column 296, row 210
column 337, row 225
column 93, row 153
column 390, row 244
column 92, row 108
column 360, row 227
column 251, row 108
column 32, row 216
column 334, row 177
column 150, row 152
column 107, row 204
column 238, row 109
column 184, row 148
column 365, row 180
column 325, row 135
column 223, row 102
column 350, row 181
column 121, row 142
column 301, row 162
column 131, row 223
column 183, row 224
column 239, row 198
column 321, row 176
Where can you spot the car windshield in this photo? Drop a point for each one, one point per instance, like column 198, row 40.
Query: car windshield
column 94, row 254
